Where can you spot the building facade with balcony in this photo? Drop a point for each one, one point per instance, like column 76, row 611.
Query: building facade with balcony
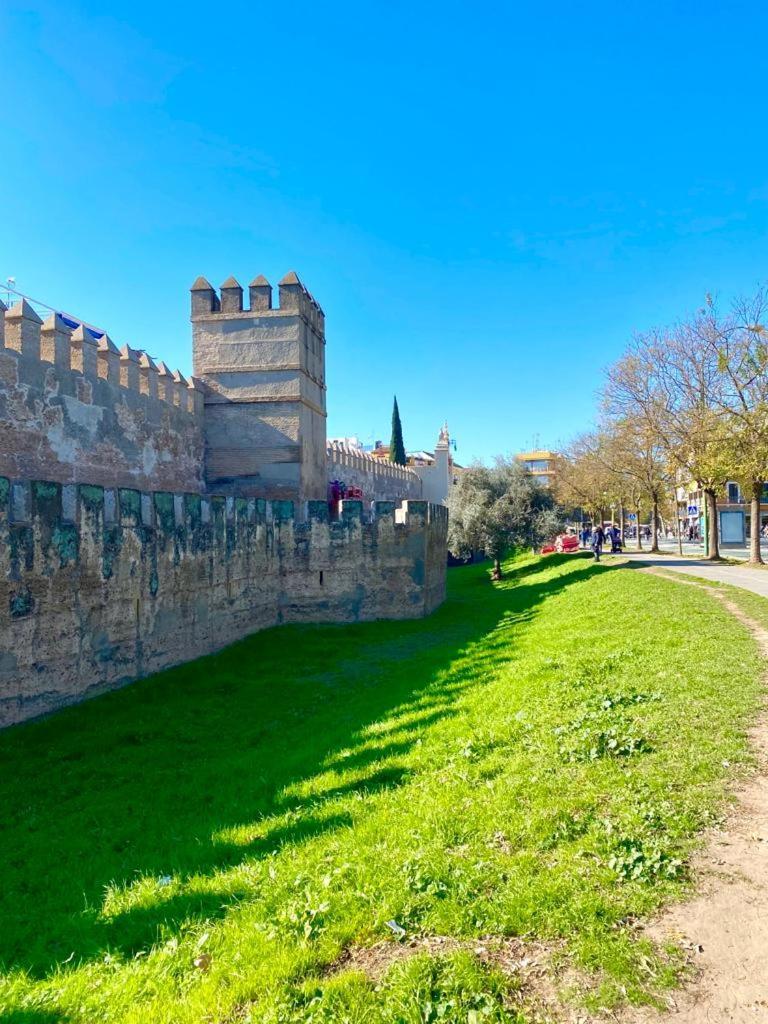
column 540, row 464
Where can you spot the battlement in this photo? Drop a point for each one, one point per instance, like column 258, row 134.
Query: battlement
column 73, row 406
column 374, row 477
column 24, row 502
column 147, row 579
column 343, row 456
column 294, row 298
column 91, row 355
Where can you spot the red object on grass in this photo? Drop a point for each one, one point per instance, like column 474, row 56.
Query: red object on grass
column 565, row 543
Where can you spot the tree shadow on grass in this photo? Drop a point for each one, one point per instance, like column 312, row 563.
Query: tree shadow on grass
column 147, row 781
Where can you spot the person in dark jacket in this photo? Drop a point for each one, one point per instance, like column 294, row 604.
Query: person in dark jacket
column 598, row 539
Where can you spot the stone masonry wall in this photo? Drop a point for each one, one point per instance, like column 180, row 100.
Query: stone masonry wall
column 378, row 480
column 100, row 586
column 264, row 373
column 74, row 408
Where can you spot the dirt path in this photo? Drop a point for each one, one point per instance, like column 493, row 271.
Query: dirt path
column 725, row 926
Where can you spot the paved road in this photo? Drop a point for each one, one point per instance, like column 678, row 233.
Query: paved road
column 755, row 580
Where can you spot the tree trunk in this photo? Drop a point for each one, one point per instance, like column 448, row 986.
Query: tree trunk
column 497, row 574
column 713, row 539
column 638, row 537
column 755, row 557
column 655, row 526
column 679, row 528
column 621, row 522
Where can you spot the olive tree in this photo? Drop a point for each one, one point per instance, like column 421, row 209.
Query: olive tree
column 496, row 508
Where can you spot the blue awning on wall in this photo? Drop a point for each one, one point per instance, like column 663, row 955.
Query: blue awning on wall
column 74, row 324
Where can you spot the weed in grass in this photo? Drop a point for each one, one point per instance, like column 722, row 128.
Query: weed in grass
column 634, row 860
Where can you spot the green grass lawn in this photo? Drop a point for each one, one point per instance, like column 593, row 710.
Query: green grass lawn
column 536, row 759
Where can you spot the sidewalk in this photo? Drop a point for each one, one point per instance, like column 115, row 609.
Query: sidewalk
column 755, row 580
column 697, row 548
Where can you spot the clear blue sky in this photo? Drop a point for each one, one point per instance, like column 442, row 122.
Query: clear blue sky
column 486, row 199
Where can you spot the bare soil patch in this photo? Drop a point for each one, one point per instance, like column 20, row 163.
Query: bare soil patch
column 526, row 963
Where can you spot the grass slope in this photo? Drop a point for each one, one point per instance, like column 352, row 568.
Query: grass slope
column 535, row 759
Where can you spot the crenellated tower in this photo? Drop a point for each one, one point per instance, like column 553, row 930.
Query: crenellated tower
column 264, row 376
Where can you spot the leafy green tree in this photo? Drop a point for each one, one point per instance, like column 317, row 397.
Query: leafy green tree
column 396, row 446
column 494, row 509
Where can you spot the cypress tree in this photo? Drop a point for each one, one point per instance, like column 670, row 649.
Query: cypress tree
column 396, row 446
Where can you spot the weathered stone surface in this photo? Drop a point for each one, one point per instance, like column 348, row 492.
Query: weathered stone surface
column 96, row 592
column 64, row 425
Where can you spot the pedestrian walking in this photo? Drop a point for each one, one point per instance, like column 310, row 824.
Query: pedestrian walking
column 615, row 535
column 598, row 539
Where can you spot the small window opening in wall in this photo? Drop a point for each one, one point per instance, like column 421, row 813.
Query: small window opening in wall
column 137, row 609
column 321, row 577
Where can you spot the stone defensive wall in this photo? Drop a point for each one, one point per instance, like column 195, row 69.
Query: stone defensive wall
column 377, row 479
column 101, row 585
column 75, row 408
